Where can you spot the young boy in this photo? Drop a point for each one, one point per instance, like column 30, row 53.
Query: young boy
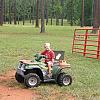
column 50, row 57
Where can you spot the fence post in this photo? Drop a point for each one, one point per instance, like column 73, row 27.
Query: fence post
column 73, row 40
column 98, row 49
column 85, row 43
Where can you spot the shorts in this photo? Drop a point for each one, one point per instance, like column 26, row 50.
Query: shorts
column 50, row 63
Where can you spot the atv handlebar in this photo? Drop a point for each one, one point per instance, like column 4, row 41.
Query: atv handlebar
column 38, row 57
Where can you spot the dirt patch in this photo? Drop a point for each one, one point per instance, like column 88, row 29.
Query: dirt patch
column 7, row 93
column 9, row 89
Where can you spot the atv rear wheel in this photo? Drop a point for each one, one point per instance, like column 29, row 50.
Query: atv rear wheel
column 19, row 78
column 32, row 80
column 64, row 79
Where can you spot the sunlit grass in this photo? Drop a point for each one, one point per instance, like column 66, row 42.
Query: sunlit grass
column 22, row 42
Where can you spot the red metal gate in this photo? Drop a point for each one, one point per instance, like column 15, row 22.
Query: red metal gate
column 87, row 43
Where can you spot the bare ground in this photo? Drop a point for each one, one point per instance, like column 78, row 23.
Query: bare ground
column 10, row 90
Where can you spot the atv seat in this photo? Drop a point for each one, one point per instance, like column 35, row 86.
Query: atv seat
column 59, row 55
column 59, row 59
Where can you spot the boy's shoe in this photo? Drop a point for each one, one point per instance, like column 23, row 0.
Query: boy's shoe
column 49, row 75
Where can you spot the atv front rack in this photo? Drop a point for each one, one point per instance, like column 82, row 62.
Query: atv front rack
column 27, row 62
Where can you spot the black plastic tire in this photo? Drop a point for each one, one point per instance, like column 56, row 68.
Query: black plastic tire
column 19, row 78
column 31, row 80
column 64, row 80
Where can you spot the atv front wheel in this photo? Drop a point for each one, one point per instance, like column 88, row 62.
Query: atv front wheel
column 19, row 78
column 32, row 80
column 64, row 79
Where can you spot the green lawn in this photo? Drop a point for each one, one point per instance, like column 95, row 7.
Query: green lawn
column 22, row 42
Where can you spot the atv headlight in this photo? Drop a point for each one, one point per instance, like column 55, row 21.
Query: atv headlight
column 21, row 66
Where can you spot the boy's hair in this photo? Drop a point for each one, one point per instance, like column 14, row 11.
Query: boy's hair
column 47, row 44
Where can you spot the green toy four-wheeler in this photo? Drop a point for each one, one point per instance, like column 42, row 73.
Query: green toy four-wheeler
column 33, row 72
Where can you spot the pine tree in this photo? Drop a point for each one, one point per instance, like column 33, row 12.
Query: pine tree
column 42, row 17
column 1, row 12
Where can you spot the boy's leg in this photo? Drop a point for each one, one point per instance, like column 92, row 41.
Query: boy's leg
column 49, row 68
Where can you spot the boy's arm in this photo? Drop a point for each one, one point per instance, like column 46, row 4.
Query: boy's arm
column 53, row 56
column 53, row 60
column 43, row 53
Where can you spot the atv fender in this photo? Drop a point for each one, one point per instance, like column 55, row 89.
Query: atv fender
column 36, row 70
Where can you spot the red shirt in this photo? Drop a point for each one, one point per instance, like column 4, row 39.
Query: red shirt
column 50, row 55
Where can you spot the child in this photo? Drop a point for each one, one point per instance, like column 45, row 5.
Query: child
column 50, row 57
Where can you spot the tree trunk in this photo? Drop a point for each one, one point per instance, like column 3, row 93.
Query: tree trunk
column 62, row 20
column 96, row 14
column 62, row 4
column 57, row 20
column 42, row 17
column 82, row 22
column 4, row 11
column 1, row 12
column 47, row 12
column 52, row 11
column 72, row 12
column 51, row 20
column 23, row 16
column 18, row 18
column 30, row 18
column 30, row 12
column 10, row 12
column 37, row 13
column 23, row 19
column 99, row 12
column 15, row 12
column 33, row 13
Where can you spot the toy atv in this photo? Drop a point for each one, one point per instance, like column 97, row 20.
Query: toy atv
column 33, row 72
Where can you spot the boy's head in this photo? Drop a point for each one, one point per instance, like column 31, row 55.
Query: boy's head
column 47, row 46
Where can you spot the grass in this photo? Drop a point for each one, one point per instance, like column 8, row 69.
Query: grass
column 22, row 42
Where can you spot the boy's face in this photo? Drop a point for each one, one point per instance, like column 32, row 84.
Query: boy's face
column 47, row 47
